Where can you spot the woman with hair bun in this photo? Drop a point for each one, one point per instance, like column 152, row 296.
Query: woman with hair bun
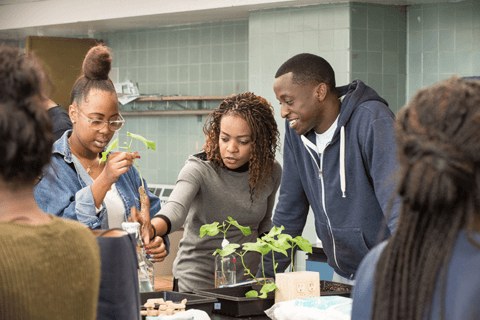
column 77, row 185
column 235, row 175
column 429, row 268
column 50, row 267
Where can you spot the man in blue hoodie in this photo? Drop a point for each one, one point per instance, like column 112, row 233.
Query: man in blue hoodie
column 339, row 159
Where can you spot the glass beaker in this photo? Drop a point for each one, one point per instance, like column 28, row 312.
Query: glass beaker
column 225, row 272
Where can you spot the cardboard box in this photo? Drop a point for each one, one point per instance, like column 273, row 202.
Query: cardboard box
column 297, row 285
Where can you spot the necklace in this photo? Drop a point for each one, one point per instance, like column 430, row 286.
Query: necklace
column 89, row 168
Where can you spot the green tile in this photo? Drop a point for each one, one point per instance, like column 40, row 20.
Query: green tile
column 183, row 56
column 401, row 86
column 241, row 52
column 476, row 39
column 194, row 88
column 476, row 15
column 162, row 88
column 217, row 35
column 131, row 41
column 172, row 56
column 142, row 75
column 415, row 18
column 391, row 101
column 430, row 41
column 122, row 74
column 205, row 88
column 205, row 54
column 325, row 40
column 183, row 73
column 172, row 88
column 430, row 62
column 172, row 38
column 217, row 54
column 183, row 89
column 359, row 39
column 415, row 62
column 341, row 17
column 183, row 36
column 415, row 41
column 390, row 41
column 205, row 72
column 122, row 59
column 374, row 40
column 390, row 62
column 217, row 71
column 310, row 40
column 476, row 63
column 375, row 17
column 241, row 33
column 358, row 75
column 430, row 18
column 172, row 74
column 205, row 35
column 310, row 19
column 228, row 52
column 429, row 79
column 359, row 62
column 463, row 17
column 446, row 40
column 132, row 58
column 463, row 39
column 228, row 71
column 390, row 85
column 446, row 62
column 194, row 55
column 149, row 58
column 162, row 73
column 415, row 82
column 358, row 16
column 463, row 63
column 267, row 23
column 162, row 57
column 295, row 21
column 391, row 18
column 241, row 86
column 375, row 62
column 326, row 19
column 162, row 39
column 142, row 40
column 281, row 22
column 152, row 39
column 402, row 42
column 228, row 87
column 376, row 82
column 446, row 18
column 229, row 34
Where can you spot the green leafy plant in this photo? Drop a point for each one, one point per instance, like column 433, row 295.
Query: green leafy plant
column 275, row 240
column 149, row 144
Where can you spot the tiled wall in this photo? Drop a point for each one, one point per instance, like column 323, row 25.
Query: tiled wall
column 378, row 42
column 196, row 59
column 443, row 40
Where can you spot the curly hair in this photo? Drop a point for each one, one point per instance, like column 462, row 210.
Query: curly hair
column 95, row 70
column 26, row 130
column 438, row 136
column 258, row 113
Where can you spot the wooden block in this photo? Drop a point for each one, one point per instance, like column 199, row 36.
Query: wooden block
column 297, row 285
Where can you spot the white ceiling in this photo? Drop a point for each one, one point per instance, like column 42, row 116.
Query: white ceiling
column 174, row 18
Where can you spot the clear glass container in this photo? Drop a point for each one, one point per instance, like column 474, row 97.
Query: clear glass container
column 146, row 278
column 225, row 272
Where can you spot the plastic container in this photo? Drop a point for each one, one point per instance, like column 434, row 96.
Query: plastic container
column 194, row 301
column 345, row 289
column 232, row 301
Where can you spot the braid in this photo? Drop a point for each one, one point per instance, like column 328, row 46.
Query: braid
column 258, row 113
column 438, row 149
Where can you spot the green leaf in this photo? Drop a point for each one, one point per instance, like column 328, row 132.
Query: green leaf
column 269, row 287
column 110, row 147
column 245, row 230
column 251, row 294
column 256, row 246
column 228, row 249
column 282, row 243
column 275, row 231
column 303, row 243
column 287, row 237
column 148, row 143
column 210, row 229
column 274, row 248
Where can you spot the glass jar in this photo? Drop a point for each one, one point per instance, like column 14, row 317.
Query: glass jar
column 146, row 278
column 225, row 272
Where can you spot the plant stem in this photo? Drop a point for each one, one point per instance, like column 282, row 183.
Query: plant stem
column 274, row 268
column 293, row 267
column 263, row 271
column 245, row 267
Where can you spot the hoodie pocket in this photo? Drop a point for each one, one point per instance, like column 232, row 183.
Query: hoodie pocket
column 350, row 248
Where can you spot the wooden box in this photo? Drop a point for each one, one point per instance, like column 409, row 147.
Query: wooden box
column 297, row 285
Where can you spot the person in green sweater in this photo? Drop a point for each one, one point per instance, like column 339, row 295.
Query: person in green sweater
column 236, row 175
column 49, row 267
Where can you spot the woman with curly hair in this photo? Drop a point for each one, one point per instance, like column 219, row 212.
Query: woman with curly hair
column 235, row 175
column 429, row 268
column 50, row 267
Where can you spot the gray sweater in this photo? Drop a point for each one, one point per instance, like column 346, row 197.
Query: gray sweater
column 203, row 196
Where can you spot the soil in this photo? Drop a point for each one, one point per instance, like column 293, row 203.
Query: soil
column 334, row 286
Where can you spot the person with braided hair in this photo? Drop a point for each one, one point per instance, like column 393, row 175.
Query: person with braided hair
column 235, row 175
column 429, row 268
column 77, row 185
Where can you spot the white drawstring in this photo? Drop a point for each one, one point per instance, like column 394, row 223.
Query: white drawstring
column 343, row 183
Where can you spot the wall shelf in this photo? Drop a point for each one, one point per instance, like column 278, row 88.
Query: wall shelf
column 175, row 99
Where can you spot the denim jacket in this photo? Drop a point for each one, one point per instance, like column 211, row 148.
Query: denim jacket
column 65, row 190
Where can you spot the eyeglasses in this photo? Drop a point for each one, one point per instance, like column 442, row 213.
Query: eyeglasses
column 113, row 125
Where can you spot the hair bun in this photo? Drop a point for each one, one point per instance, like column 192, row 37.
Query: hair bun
column 97, row 63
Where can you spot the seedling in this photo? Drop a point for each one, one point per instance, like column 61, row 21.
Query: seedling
column 273, row 241
column 150, row 145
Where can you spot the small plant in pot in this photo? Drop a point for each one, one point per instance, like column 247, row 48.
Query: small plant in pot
column 274, row 240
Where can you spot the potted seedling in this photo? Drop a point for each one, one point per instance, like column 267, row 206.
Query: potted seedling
column 273, row 241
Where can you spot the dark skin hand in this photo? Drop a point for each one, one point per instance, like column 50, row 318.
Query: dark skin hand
column 155, row 247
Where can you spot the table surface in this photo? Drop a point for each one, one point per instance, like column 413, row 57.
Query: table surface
column 217, row 316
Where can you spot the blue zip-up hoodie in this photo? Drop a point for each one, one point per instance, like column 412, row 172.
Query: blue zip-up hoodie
column 65, row 190
column 348, row 185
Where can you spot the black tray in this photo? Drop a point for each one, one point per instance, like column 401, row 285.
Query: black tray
column 194, row 301
column 232, row 301
column 344, row 293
